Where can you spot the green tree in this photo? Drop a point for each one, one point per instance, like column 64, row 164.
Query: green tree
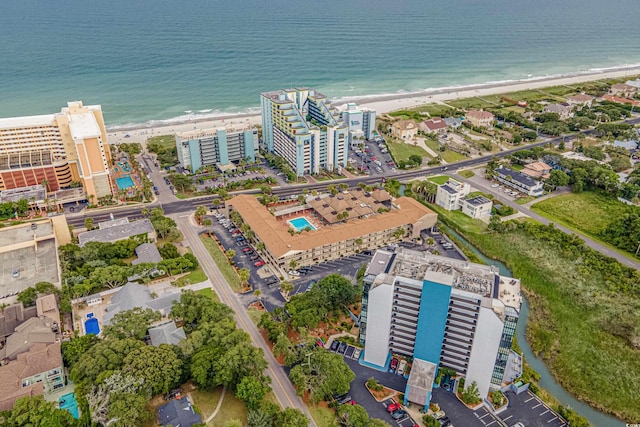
column 181, row 182
column 324, row 375
column 353, row 416
column 429, row 421
column 110, row 276
column 28, row 297
column 132, row 323
column 230, row 253
column 74, row 349
column 195, row 308
column 471, row 394
column 415, row 159
column 160, row 367
column 259, row 418
column 252, row 389
column 102, row 360
column 36, row 412
column 286, row 287
column 244, row 275
column 168, row 251
column 201, row 211
column 88, row 223
column 291, row 417
column 128, row 409
column 558, row 178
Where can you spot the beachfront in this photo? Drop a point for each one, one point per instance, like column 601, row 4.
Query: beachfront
column 382, row 104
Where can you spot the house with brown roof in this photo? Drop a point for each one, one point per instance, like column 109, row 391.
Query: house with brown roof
column 564, row 110
column 620, row 100
column 581, row 99
column 404, row 129
column 537, row 170
column 433, row 125
column 623, row 89
column 373, row 220
column 479, row 118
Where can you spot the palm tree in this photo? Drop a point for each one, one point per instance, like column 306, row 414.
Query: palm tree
column 230, row 253
column 244, row 275
column 293, row 264
column 286, row 288
column 430, row 241
column 257, row 293
column 144, row 212
column 399, row 233
column 260, row 247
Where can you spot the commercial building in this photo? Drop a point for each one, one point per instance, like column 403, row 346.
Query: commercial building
column 450, row 194
column 476, row 207
column 216, row 147
column 58, row 149
column 519, row 181
column 479, row 118
column 441, row 312
column 331, row 227
column 112, row 231
column 303, row 127
column 360, row 121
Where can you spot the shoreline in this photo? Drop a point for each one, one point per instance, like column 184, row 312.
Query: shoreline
column 382, row 103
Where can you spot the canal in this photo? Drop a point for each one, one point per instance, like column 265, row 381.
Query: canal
column 547, row 381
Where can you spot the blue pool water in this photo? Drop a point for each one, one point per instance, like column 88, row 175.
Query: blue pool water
column 91, row 326
column 301, row 223
column 68, row 402
column 125, row 182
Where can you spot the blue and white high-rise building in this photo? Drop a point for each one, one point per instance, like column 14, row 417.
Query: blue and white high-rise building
column 440, row 312
column 304, row 128
column 360, row 121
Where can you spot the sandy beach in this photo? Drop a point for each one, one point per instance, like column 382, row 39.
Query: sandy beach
column 382, row 104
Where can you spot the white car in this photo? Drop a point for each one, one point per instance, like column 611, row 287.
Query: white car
column 506, row 190
column 293, row 273
column 495, row 186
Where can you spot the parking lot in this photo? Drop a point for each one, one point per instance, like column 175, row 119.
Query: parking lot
column 363, row 397
column 347, row 266
column 269, row 294
column 528, row 409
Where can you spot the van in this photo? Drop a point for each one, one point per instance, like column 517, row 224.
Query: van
column 402, row 367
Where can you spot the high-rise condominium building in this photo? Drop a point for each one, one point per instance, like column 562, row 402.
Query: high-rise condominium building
column 56, row 149
column 302, row 126
column 360, row 121
column 216, row 147
column 440, row 312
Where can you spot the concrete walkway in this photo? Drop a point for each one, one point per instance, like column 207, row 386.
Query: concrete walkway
column 218, row 406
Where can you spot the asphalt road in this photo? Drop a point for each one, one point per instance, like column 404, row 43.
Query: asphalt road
column 282, row 387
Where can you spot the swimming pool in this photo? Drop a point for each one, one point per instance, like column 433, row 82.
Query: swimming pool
column 301, row 223
column 68, row 402
column 92, row 326
column 125, row 182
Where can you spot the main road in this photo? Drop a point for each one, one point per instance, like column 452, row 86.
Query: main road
column 282, row 387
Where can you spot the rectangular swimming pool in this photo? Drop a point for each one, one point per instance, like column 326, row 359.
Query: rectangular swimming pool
column 125, row 182
column 301, row 223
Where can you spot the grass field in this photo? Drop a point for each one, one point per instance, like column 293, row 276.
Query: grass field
column 196, row 276
column 466, row 174
column 231, row 409
column 458, row 220
column 165, row 141
column 451, row 156
column 324, row 417
column 470, row 104
column 209, row 292
column 439, row 179
column 572, row 318
column 434, row 110
column 255, row 315
column 221, row 261
column 587, row 212
column 402, row 151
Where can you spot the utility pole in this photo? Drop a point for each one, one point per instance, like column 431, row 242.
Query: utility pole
column 638, row 250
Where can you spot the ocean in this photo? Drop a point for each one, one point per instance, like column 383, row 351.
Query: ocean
column 148, row 60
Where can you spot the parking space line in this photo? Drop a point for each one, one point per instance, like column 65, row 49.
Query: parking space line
column 539, row 404
column 506, row 418
column 494, row 421
column 552, row 419
column 531, row 398
column 484, row 416
column 544, row 412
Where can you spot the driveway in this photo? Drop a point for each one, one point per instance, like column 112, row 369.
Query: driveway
column 347, row 266
column 528, row 409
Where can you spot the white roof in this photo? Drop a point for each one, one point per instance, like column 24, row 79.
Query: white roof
column 27, row 121
column 84, row 125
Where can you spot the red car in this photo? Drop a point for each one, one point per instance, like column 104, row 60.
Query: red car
column 394, row 365
column 393, row 407
column 245, row 250
column 259, row 263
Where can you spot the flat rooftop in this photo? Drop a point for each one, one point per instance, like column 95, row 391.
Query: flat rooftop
column 33, row 266
column 211, row 132
column 84, row 125
column 478, row 201
column 24, row 233
column 26, row 121
column 117, row 232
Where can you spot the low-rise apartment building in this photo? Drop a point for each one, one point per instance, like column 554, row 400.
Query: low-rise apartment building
column 450, row 194
column 476, row 207
column 440, row 312
column 519, row 181
column 216, row 147
column 537, row 170
column 338, row 225
column 112, row 231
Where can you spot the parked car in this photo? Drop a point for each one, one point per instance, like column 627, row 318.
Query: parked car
column 341, row 400
column 402, row 367
column 259, row 263
column 293, row 273
column 399, row 414
column 356, row 353
column 393, row 407
column 247, row 249
column 342, row 347
column 394, row 365
column 445, row 422
column 334, row 345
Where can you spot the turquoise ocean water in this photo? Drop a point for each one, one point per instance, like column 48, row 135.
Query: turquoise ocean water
column 161, row 59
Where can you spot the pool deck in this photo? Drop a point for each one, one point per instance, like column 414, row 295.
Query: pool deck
column 54, row 396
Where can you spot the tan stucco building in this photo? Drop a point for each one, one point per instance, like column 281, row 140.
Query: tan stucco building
column 57, row 148
column 404, row 129
column 329, row 240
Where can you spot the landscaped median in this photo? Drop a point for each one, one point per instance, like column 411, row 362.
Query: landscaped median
column 229, row 273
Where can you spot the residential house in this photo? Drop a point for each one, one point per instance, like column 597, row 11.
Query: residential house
column 133, row 295
column 519, row 181
column 564, row 110
column 620, row 100
column 404, row 129
column 434, row 125
column 630, row 145
column 537, row 170
column 581, row 100
column 147, row 253
column 450, row 194
column 634, row 84
column 167, row 333
column 476, row 207
column 453, row 122
column 623, row 89
column 479, row 118
column 178, row 413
